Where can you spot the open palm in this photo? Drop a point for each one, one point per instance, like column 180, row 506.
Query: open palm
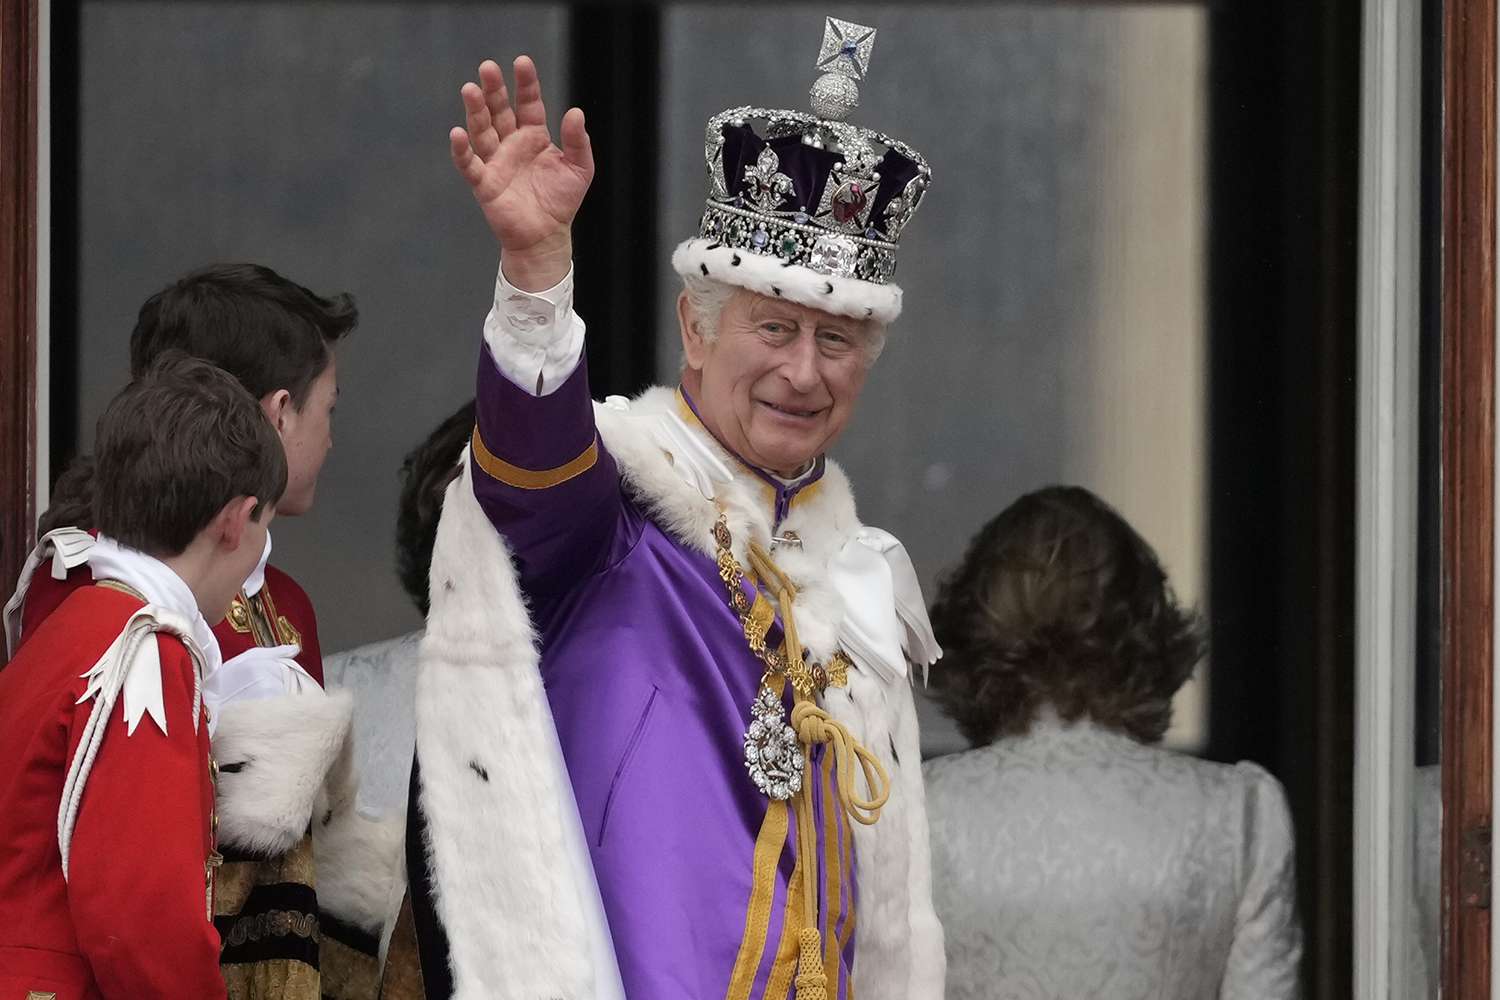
column 528, row 188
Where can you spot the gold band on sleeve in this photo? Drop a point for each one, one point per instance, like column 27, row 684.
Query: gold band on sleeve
column 528, row 479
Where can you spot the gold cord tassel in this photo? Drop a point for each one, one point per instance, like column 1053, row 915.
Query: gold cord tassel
column 812, row 981
column 813, row 725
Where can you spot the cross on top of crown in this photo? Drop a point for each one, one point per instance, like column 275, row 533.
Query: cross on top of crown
column 846, row 48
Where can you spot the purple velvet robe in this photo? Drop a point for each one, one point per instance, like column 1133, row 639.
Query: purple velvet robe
column 650, row 682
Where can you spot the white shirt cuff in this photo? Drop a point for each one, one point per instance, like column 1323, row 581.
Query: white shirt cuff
column 535, row 338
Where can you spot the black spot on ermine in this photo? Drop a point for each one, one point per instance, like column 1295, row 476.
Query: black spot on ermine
column 477, row 769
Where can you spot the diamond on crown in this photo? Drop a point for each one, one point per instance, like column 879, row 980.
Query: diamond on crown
column 766, row 185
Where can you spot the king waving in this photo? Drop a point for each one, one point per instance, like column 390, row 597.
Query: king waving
column 666, row 740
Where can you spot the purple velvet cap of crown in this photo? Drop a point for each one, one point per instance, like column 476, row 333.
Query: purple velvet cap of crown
column 810, row 169
column 810, row 192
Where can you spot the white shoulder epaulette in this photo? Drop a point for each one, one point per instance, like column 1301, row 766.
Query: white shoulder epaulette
column 131, row 667
column 67, row 548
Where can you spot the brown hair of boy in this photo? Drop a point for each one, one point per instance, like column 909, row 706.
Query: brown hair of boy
column 266, row 330
column 173, row 448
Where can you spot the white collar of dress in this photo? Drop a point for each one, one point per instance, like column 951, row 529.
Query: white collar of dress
column 256, row 581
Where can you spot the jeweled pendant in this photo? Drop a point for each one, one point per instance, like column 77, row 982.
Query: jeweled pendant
column 772, row 755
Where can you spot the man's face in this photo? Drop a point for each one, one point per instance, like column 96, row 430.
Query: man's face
column 307, row 435
column 780, row 381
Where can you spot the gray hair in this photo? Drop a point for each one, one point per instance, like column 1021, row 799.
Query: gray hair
column 708, row 297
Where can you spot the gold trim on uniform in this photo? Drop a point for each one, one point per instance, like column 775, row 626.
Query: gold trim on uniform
column 215, row 860
column 529, row 479
column 239, row 613
column 257, row 617
column 769, row 843
column 123, row 588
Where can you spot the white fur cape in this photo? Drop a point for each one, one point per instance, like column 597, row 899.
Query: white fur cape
column 522, row 921
column 286, row 767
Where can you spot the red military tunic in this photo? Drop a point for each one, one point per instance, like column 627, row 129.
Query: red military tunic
column 280, row 614
column 132, row 921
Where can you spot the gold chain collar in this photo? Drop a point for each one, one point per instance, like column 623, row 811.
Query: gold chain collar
column 778, row 751
column 756, row 618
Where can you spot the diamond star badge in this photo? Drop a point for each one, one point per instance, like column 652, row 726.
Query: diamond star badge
column 846, row 48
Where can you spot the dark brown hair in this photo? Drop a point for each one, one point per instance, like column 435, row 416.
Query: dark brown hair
column 173, row 448
column 1059, row 602
column 72, row 500
column 265, row 330
column 425, row 474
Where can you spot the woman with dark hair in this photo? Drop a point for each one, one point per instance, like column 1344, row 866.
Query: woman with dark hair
column 1073, row 858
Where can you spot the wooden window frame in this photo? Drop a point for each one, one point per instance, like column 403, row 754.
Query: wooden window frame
column 1467, row 268
column 19, row 55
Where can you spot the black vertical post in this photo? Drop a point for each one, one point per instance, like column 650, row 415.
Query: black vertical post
column 1428, row 710
column 62, row 304
column 1284, row 199
column 614, row 55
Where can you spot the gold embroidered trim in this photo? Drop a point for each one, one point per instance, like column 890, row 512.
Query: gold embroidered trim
column 768, row 847
column 755, row 619
column 784, row 965
column 529, row 479
column 239, row 614
column 123, row 588
column 256, row 616
column 272, row 923
column 247, row 615
column 833, row 873
column 285, row 632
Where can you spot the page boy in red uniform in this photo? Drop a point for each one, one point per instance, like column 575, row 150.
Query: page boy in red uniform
column 283, row 744
column 278, row 339
column 106, row 779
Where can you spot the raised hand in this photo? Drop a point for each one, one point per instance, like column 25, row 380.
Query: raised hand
column 528, row 188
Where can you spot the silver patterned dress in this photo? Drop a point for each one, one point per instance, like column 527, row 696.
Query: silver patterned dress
column 1075, row 863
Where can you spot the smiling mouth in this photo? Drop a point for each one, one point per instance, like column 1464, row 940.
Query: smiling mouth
column 788, row 411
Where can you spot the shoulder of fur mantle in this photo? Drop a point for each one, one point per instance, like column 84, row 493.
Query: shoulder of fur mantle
column 631, row 430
